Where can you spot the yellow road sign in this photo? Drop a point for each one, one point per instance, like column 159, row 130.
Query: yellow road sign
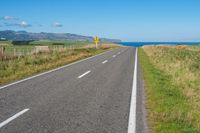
column 96, row 40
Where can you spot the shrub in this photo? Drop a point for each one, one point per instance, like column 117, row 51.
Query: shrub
column 22, row 42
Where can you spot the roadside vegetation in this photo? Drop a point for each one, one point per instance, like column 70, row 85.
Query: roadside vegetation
column 23, row 48
column 172, row 79
column 58, row 42
column 18, row 67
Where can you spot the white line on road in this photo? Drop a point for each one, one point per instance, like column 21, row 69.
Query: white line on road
column 13, row 117
column 132, row 113
column 84, row 74
column 114, row 56
column 104, row 61
column 38, row 75
column 119, row 53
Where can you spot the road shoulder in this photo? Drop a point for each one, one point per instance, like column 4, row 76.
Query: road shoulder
column 141, row 110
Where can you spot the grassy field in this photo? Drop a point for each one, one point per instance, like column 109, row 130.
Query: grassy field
column 18, row 68
column 5, row 43
column 48, row 42
column 172, row 77
column 61, row 42
column 7, row 48
column 10, row 49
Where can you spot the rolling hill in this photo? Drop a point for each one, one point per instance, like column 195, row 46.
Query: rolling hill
column 23, row 35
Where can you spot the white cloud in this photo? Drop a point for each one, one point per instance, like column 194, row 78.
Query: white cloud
column 8, row 18
column 57, row 24
column 24, row 24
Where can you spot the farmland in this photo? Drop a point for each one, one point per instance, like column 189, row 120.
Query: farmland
column 12, row 49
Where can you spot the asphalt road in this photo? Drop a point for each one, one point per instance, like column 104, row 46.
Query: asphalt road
column 91, row 96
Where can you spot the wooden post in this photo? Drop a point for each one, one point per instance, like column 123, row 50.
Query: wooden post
column 14, row 51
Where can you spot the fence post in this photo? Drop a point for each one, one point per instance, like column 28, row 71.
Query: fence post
column 14, row 52
column 27, row 51
column 35, row 50
column 2, row 50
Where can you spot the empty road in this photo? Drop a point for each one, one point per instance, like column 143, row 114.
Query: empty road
column 90, row 96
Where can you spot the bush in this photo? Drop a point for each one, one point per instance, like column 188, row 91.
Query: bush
column 22, row 42
column 58, row 44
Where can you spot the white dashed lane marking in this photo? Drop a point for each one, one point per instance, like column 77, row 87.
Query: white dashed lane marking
column 13, row 117
column 84, row 74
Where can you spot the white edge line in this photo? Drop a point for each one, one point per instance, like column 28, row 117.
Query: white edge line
column 84, row 74
column 13, row 117
column 32, row 77
column 132, row 113
column 114, row 56
column 104, row 61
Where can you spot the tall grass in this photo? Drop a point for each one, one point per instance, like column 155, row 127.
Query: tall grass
column 172, row 77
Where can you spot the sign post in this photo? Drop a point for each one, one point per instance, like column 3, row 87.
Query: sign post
column 96, row 40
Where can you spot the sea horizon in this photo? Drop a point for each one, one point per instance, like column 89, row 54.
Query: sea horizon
column 138, row 44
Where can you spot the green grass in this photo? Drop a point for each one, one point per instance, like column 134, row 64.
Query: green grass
column 169, row 110
column 12, row 50
column 54, row 42
column 49, row 42
column 5, row 43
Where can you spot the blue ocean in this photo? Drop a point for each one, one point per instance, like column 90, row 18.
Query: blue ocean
column 139, row 44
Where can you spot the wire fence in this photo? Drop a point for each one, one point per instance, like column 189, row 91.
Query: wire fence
column 12, row 52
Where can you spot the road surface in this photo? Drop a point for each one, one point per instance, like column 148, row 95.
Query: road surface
column 91, row 96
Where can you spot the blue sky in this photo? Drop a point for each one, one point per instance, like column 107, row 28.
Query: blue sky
column 129, row 20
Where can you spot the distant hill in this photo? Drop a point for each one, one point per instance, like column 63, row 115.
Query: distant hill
column 23, row 35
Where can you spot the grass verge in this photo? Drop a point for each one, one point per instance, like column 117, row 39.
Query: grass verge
column 169, row 109
column 16, row 69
